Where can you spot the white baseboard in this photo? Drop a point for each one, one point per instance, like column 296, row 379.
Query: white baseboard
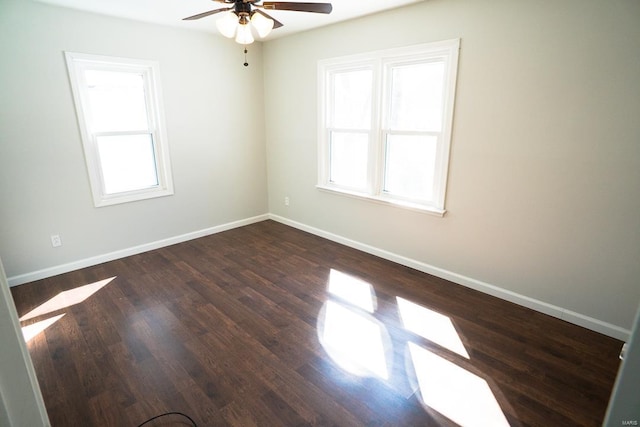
column 99, row 259
column 487, row 288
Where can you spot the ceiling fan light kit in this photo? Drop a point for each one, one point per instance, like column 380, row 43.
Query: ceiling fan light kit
column 227, row 24
column 243, row 34
column 262, row 24
column 239, row 19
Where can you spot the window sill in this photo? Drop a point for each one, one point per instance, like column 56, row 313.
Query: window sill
column 385, row 201
column 132, row 196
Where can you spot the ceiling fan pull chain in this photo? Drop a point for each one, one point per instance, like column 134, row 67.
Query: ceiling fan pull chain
column 246, row 64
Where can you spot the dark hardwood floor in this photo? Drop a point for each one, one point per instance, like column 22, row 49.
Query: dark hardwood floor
column 264, row 325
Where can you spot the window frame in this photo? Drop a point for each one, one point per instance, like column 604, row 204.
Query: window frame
column 381, row 62
column 77, row 63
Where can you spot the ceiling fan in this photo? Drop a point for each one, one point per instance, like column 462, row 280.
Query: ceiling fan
column 244, row 14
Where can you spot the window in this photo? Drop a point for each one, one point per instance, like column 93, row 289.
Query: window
column 385, row 124
column 119, row 110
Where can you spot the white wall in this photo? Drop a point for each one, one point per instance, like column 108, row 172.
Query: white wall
column 624, row 405
column 543, row 193
column 545, row 164
column 21, row 403
column 214, row 113
column 544, row 183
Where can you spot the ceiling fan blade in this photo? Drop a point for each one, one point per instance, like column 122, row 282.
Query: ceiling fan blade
column 203, row 14
column 298, row 7
column 276, row 23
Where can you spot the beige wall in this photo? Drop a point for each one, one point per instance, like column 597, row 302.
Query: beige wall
column 545, row 163
column 213, row 109
column 544, row 181
column 543, row 194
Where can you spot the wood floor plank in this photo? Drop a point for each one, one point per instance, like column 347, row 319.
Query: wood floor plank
column 225, row 328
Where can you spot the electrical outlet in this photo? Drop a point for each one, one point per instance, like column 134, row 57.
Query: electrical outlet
column 56, row 240
column 286, row 201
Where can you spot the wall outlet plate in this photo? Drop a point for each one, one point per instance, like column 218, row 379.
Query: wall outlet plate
column 56, row 241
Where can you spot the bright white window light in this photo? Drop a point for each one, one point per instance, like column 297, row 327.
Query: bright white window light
column 227, row 24
column 244, row 35
column 262, row 24
column 116, row 100
column 128, row 162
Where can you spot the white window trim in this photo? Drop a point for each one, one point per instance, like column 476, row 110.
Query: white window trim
column 76, row 63
column 448, row 49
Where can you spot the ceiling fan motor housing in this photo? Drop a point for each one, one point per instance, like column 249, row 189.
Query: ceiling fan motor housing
column 242, row 9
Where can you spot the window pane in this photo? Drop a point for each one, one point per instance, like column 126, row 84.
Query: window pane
column 349, row 152
column 351, row 107
column 410, row 166
column 128, row 162
column 116, row 101
column 417, row 97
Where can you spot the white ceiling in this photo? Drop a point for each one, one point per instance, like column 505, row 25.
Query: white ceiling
column 171, row 12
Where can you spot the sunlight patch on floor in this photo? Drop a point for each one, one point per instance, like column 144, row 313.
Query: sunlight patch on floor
column 66, row 299
column 352, row 290
column 431, row 325
column 355, row 340
column 61, row 301
column 454, row 392
column 34, row 329
column 360, row 344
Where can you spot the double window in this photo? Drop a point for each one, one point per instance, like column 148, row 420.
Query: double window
column 119, row 111
column 385, row 124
